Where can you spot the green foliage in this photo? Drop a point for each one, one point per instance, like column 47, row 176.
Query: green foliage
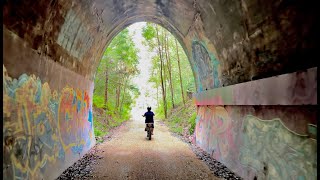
column 150, row 39
column 100, row 128
column 135, row 90
column 119, row 65
column 98, row 101
column 177, row 120
column 192, row 122
column 97, row 132
column 113, row 77
column 182, row 118
column 178, row 129
column 159, row 111
column 148, row 32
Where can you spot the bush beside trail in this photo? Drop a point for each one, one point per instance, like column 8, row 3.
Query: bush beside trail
column 182, row 119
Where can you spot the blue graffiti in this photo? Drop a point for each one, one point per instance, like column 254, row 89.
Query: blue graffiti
column 90, row 116
column 78, row 106
column 215, row 63
column 206, row 66
column 74, row 98
column 53, row 107
column 77, row 149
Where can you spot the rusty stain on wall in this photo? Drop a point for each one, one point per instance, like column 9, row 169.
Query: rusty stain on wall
column 42, row 127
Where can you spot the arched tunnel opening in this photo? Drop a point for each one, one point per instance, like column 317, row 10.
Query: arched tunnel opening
column 253, row 64
column 143, row 66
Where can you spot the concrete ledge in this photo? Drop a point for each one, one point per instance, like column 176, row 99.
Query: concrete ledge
column 298, row 88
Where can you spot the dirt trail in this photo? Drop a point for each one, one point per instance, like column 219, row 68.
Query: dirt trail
column 130, row 155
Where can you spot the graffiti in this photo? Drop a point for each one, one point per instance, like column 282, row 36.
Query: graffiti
column 252, row 147
column 214, row 133
column 31, row 125
column 74, row 107
column 208, row 75
column 34, row 132
column 275, row 152
column 73, row 36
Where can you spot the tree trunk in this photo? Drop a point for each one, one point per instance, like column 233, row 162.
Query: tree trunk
column 123, row 94
column 182, row 93
column 106, row 121
column 118, row 97
column 161, row 75
column 165, row 79
column 169, row 69
column 157, row 91
column 106, row 90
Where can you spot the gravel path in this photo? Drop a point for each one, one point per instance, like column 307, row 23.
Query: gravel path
column 128, row 154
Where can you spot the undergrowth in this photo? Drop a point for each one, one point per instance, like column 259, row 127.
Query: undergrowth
column 103, row 122
column 182, row 119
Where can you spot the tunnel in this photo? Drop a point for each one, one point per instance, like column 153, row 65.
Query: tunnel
column 252, row 60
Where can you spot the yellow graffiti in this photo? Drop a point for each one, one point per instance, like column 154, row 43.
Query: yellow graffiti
column 32, row 118
column 68, row 93
column 24, row 127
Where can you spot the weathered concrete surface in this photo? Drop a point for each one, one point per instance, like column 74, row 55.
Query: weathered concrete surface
column 248, row 39
column 256, row 39
column 47, row 113
column 264, row 142
column 55, row 47
column 44, row 129
column 299, row 88
column 265, row 128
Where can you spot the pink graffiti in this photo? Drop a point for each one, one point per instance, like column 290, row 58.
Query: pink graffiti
column 214, row 131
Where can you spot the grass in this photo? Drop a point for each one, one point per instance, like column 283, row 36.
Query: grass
column 192, row 122
column 102, row 126
column 182, row 117
column 178, row 130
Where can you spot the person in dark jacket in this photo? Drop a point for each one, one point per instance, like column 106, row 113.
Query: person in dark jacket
column 149, row 118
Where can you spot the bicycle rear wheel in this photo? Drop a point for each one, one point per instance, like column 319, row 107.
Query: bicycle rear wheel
column 149, row 135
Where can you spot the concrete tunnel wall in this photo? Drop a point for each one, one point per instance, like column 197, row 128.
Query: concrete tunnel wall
column 52, row 50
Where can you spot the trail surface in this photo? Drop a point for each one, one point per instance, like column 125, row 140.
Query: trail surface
column 130, row 155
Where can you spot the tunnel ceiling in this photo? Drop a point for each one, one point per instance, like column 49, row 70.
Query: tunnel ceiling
column 250, row 39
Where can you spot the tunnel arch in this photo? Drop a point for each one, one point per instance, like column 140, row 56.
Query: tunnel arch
column 48, row 52
column 165, row 24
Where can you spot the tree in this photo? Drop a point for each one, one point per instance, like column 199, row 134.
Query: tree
column 113, row 78
column 162, row 75
column 178, row 59
column 168, row 68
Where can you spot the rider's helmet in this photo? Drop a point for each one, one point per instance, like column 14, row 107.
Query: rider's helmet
column 149, row 108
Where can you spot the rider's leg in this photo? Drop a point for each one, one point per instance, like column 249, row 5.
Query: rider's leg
column 152, row 129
